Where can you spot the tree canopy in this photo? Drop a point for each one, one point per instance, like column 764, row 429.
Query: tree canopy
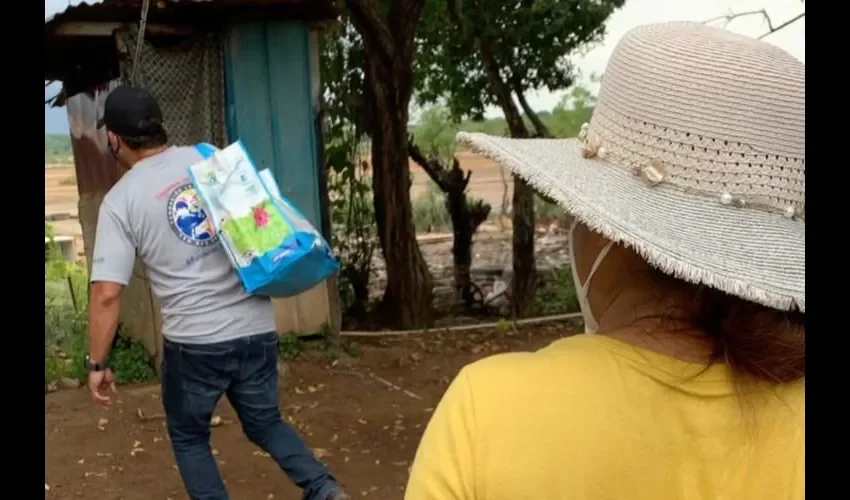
column 529, row 41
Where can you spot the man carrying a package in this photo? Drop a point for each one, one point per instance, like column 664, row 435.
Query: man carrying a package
column 218, row 340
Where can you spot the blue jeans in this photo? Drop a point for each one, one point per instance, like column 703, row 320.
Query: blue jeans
column 194, row 377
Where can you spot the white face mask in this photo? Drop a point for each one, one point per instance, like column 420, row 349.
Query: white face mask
column 590, row 324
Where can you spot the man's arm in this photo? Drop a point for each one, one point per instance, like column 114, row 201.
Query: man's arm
column 112, row 266
column 104, row 308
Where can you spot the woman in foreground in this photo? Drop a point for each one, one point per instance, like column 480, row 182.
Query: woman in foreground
column 688, row 188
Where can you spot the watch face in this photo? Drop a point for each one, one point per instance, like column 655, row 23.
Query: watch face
column 93, row 366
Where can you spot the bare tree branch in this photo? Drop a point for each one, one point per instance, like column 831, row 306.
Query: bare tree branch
column 58, row 100
column 542, row 130
column 366, row 14
column 733, row 15
column 728, row 18
column 786, row 23
column 431, row 166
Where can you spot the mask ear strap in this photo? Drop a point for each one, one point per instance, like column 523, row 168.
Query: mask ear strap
column 596, row 264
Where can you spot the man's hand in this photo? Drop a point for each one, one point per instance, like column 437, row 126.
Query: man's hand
column 99, row 383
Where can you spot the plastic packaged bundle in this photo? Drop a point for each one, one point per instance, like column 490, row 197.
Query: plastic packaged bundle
column 272, row 246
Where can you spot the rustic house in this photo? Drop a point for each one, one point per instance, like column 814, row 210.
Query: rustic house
column 222, row 70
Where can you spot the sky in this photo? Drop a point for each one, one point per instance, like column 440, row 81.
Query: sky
column 634, row 13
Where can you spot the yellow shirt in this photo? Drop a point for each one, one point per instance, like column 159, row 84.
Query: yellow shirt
column 592, row 418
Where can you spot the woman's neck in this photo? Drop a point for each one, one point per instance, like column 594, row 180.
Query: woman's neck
column 656, row 325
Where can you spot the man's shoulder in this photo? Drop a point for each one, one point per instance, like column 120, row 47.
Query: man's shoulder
column 149, row 173
column 183, row 156
column 184, row 151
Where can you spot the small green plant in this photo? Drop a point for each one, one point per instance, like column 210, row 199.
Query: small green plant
column 503, row 325
column 290, row 346
column 429, row 210
column 325, row 342
column 329, row 343
column 557, row 295
column 352, row 348
column 54, row 368
column 130, row 361
column 66, row 325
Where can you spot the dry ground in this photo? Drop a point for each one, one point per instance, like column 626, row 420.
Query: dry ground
column 365, row 430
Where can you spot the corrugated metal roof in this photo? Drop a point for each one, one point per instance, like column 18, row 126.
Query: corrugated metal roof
column 118, row 10
column 80, row 61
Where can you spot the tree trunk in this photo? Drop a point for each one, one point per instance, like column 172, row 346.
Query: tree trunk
column 408, row 296
column 389, row 51
column 465, row 221
column 466, row 217
column 542, row 130
column 524, row 265
column 522, row 213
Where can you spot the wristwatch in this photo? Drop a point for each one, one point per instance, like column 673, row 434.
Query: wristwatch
column 95, row 366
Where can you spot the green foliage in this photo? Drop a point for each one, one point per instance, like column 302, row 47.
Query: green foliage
column 503, row 325
column 65, row 335
column 289, row 346
column 352, row 348
column 66, row 325
column 564, row 120
column 354, row 235
column 435, row 133
column 556, row 295
column 329, row 343
column 545, row 210
column 130, row 361
column 528, row 42
column 57, row 148
column 54, row 368
column 429, row 210
column 60, row 274
column 574, row 109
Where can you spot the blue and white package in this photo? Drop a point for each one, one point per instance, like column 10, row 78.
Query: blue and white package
column 272, row 246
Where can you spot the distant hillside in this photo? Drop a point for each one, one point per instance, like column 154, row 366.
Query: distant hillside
column 57, row 148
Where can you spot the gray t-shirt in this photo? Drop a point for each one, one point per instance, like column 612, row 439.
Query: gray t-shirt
column 155, row 213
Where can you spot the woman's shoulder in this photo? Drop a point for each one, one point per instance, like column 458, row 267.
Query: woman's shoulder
column 585, row 349
column 570, row 361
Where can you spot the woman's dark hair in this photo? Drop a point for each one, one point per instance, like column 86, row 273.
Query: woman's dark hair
column 154, row 136
column 757, row 342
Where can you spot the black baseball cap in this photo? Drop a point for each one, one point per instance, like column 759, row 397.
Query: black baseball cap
column 131, row 112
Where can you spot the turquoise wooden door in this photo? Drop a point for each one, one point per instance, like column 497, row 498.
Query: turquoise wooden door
column 269, row 106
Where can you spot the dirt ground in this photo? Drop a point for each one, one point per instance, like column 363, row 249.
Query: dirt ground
column 60, row 191
column 366, row 430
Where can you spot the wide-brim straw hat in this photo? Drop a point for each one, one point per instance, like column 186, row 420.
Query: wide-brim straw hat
column 694, row 157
